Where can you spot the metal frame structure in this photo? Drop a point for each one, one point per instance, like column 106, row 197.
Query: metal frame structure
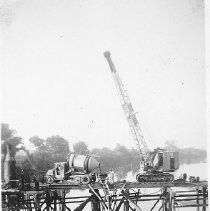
column 122, row 196
column 129, row 112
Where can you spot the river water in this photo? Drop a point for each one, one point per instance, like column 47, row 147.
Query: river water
column 197, row 170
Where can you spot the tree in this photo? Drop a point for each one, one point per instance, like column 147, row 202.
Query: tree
column 43, row 160
column 106, row 158
column 53, row 149
column 6, row 132
column 81, row 148
column 37, row 142
column 8, row 136
column 58, row 147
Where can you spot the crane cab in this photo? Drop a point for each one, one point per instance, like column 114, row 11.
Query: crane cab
column 166, row 161
column 57, row 173
column 60, row 170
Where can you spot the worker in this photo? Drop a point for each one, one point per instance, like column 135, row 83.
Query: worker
column 59, row 169
column 110, row 177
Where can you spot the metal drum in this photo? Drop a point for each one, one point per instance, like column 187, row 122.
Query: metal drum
column 83, row 163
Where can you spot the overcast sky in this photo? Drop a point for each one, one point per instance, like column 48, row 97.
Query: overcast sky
column 55, row 79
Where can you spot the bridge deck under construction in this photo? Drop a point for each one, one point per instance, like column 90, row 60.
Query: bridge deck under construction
column 127, row 185
column 118, row 196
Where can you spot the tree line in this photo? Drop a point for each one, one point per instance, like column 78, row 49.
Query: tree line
column 56, row 149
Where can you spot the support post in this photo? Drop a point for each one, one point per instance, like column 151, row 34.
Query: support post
column 168, row 204
column 98, row 196
column 165, row 198
column 129, row 201
column 48, row 201
column 161, row 195
column 62, row 200
column 126, row 203
column 55, row 200
column 37, row 203
column 197, row 199
column 204, row 198
column 119, row 205
column 29, row 201
column 137, row 196
column 172, row 196
column 83, row 204
column 95, row 202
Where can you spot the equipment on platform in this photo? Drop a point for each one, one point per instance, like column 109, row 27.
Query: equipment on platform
column 157, row 164
column 78, row 169
column 153, row 165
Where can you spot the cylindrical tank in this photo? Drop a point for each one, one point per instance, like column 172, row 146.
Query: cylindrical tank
column 9, row 166
column 83, row 163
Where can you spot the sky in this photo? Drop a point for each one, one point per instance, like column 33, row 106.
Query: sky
column 56, row 81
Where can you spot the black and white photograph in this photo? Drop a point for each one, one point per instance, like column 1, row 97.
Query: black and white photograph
column 103, row 105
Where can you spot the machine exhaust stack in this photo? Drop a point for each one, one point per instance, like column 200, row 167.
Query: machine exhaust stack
column 9, row 167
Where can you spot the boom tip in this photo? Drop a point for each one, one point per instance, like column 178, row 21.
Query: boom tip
column 107, row 54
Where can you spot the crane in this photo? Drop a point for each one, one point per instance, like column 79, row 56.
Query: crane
column 129, row 113
column 153, row 164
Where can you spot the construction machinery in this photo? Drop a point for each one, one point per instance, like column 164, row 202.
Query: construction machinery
column 76, row 170
column 154, row 165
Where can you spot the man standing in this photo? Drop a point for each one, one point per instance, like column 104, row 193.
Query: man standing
column 111, row 177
